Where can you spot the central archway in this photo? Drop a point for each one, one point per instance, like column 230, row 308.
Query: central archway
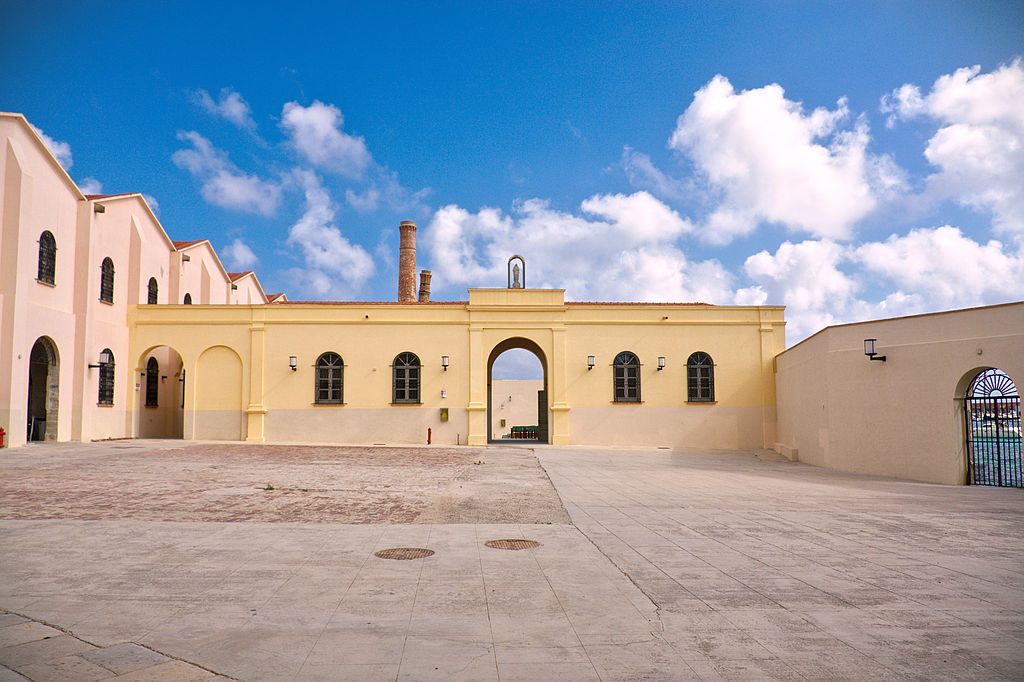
column 541, row 434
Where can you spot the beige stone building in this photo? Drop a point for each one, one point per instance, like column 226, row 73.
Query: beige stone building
column 910, row 415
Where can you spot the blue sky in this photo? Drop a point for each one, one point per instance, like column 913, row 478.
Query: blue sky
column 849, row 160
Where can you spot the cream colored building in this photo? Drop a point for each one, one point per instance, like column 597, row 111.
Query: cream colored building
column 903, row 417
column 72, row 269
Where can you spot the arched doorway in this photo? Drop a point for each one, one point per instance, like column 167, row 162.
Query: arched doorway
column 523, row 399
column 43, row 390
column 992, row 427
column 160, row 398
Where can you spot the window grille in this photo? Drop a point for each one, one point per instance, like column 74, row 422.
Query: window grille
column 152, row 382
column 330, row 374
column 406, row 379
column 154, row 290
column 107, row 281
column 700, row 378
column 626, row 378
column 106, row 394
column 47, row 258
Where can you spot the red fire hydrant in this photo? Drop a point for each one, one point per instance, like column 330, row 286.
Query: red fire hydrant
column 2, row 434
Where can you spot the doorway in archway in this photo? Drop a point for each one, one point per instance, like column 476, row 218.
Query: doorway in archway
column 160, row 378
column 43, row 390
column 992, row 422
column 517, row 395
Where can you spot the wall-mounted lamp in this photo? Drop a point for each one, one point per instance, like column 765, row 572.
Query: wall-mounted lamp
column 444, row 362
column 293, row 362
column 590, row 362
column 104, row 359
column 234, row 287
column 99, row 208
column 661, row 363
column 869, row 350
column 185, row 258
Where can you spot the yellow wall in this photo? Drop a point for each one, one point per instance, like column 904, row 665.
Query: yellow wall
column 277, row 403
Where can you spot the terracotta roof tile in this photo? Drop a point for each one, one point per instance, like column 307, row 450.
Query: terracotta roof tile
column 183, row 245
column 239, row 275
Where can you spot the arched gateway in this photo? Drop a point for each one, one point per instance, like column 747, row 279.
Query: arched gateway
column 992, row 426
column 541, row 432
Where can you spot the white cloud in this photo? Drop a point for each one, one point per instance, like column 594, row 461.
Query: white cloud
column 154, row 205
column 223, row 183
column 822, row 282
column 230, row 106
column 979, row 148
column 643, row 174
column 334, row 266
column 806, row 278
column 945, row 268
column 90, row 186
column 315, row 131
column 771, row 161
column 619, row 247
column 384, row 188
column 239, row 256
column 60, row 150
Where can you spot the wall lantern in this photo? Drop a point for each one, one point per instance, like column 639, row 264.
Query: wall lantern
column 870, row 351
column 444, row 362
column 293, row 362
column 104, row 359
column 99, row 208
column 185, row 258
column 590, row 362
column 661, row 363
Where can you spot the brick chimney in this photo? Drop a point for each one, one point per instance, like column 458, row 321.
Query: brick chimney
column 424, row 286
column 407, row 262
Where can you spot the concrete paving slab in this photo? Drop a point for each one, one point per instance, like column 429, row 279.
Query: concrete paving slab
column 677, row 565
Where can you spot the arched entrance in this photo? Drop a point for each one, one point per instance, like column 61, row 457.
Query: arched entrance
column 535, row 393
column 43, row 390
column 160, row 398
column 992, row 427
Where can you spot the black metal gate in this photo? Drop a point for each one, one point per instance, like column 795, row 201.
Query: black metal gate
column 992, row 424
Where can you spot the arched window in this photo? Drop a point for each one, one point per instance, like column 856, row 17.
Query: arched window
column 188, row 299
column 154, row 290
column 152, row 382
column 47, row 258
column 330, row 373
column 107, row 281
column 700, row 378
column 626, row 378
column 406, row 379
column 106, row 395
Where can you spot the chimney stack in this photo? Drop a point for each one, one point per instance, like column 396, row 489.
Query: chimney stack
column 407, row 262
column 424, row 286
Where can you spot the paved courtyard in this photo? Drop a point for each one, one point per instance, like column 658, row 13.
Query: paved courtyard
column 166, row 560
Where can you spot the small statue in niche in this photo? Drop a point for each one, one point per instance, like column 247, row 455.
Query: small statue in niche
column 516, row 272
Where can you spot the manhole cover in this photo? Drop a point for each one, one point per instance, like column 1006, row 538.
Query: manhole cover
column 404, row 553
column 512, row 544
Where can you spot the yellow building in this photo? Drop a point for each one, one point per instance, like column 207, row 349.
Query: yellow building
column 677, row 375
